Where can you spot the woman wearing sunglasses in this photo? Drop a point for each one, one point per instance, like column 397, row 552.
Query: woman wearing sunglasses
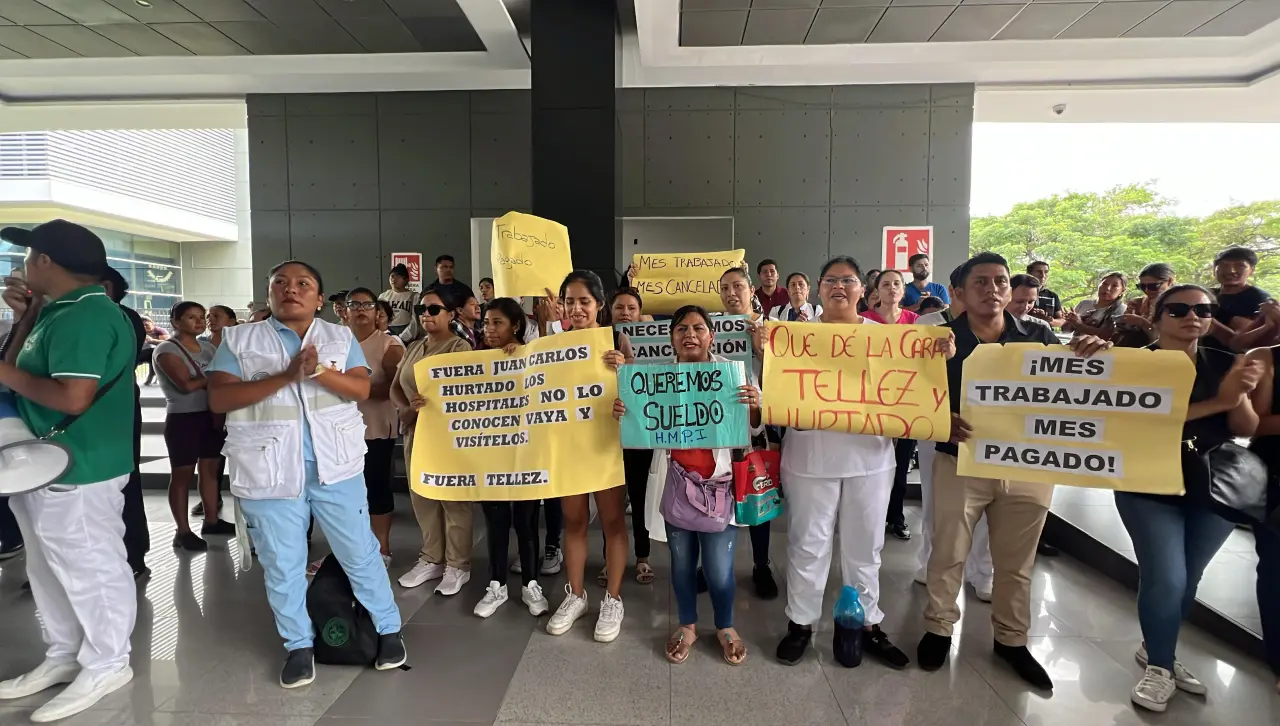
column 446, row 526
column 1135, row 325
column 1175, row 537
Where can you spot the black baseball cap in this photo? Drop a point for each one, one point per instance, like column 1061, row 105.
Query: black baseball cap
column 340, row 296
column 70, row 246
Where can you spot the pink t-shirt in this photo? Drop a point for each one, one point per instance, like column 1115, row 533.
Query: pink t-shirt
column 905, row 317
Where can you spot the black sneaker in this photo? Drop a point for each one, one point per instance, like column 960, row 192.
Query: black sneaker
column 7, row 552
column 846, row 644
column 190, row 542
column 299, row 668
column 141, row 573
column 791, row 649
column 875, row 642
column 901, row 531
column 702, row 582
column 766, row 586
column 933, row 650
column 1025, row 665
column 391, row 652
column 198, row 509
column 220, row 526
column 1044, row 549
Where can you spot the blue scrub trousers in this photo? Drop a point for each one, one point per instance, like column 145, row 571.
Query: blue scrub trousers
column 278, row 528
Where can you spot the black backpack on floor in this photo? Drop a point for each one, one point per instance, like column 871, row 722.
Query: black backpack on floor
column 344, row 630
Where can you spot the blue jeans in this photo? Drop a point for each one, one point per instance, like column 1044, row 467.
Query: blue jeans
column 1268, row 548
column 278, row 528
column 716, row 549
column 1174, row 543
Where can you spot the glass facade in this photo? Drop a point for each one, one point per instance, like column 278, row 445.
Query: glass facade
column 152, row 267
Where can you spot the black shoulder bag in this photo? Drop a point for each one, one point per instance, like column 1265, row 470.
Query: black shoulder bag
column 1234, row 478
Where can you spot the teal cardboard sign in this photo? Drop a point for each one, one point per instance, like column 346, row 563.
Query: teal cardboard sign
column 683, row 406
column 651, row 340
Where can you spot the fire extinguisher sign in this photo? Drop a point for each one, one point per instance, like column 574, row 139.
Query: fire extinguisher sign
column 903, row 243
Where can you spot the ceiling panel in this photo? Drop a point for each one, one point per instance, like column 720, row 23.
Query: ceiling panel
column 444, row 35
column 199, row 38
column 259, row 37
column 212, row 11
column 843, row 25
column 1041, row 21
column 27, row 43
column 778, row 27
column 426, row 8
column 976, row 22
column 324, row 36
column 909, row 24
column 5, row 22
column 713, row 27
column 6, row 54
column 383, row 35
column 1179, row 18
column 344, row 10
column 30, row 12
column 1242, row 19
column 88, row 12
column 161, row 11
column 290, row 12
column 141, row 39
column 83, row 41
column 1112, row 19
column 715, row 4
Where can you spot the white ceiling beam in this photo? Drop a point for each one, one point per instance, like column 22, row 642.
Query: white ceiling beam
column 493, row 24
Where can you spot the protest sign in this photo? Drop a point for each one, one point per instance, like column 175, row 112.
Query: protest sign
column 651, row 340
column 1043, row 414
column 534, row 425
column 529, row 255
column 684, row 406
column 879, row 380
column 668, row 282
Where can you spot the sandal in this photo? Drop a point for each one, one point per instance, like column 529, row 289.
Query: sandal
column 603, row 578
column 644, row 573
column 679, row 643
column 734, row 651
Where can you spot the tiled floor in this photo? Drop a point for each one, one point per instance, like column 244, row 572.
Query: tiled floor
column 206, row 654
column 1228, row 581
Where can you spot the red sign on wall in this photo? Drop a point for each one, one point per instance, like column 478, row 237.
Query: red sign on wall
column 413, row 261
column 901, row 243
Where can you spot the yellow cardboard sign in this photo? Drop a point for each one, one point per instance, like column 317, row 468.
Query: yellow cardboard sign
column 1043, row 414
column 668, row 282
column 879, row 380
column 534, row 425
column 528, row 255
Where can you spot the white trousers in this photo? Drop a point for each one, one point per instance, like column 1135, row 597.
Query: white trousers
column 79, row 573
column 977, row 568
column 815, row 508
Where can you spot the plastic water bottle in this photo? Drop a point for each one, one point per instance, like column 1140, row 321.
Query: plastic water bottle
column 850, row 618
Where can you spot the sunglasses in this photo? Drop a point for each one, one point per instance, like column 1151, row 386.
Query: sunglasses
column 432, row 310
column 1182, row 310
column 1150, row 286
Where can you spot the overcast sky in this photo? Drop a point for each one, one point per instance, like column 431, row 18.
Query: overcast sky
column 1203, row 166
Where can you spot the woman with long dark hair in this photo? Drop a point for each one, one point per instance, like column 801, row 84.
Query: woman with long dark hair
column 582, row 294
column 1175, row 537
column 190, row 436
column 1100, row 316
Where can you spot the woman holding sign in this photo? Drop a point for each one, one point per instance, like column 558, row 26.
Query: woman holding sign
column 1174, row 538
column 692, row 338
column 832, row 476
column 583, row 296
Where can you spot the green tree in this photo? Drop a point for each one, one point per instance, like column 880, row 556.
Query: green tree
column 1085, row 235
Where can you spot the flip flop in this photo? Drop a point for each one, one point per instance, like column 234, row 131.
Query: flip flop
column 731, row 645
column 679, row 643
column 644, row 573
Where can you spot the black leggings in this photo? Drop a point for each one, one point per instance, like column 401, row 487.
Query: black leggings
column 377, row 475
column 903, row 449
column 499, row 517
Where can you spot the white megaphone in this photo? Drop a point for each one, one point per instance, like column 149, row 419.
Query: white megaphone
column 27, row 463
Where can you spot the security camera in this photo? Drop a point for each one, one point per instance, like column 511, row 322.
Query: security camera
column 1059, row 109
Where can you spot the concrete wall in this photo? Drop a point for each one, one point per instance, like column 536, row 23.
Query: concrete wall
column 343, row 181
column 221, row 273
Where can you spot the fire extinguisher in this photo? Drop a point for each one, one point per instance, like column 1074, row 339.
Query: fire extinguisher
column 900, row 255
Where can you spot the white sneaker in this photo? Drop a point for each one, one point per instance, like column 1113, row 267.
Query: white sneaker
column 609, row 624
column 982, row 590
column 493, row 598
column 532, row 596
column 1182, row 677
column 453, row 581
column 87, row 689
column 46, row 675
column 421, row 572
column 552, row 561
column 1154, row 690
column 386, row 561
column 570, row 610
column 516, row 567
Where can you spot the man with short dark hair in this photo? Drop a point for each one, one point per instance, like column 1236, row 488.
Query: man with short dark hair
column 920, row 287
column 447, row 284
column 1048, row 305
column 768, row 292
column 1239, row 303
column 1015, row 510
column 70, row 365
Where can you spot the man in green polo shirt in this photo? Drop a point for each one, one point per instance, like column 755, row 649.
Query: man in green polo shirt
column 72, row 363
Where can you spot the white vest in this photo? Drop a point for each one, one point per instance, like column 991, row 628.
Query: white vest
column 264, row 441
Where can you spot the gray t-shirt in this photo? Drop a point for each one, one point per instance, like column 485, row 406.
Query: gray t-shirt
column 175, row 400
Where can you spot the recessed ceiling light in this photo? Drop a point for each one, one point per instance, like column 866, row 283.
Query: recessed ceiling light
column 143, row 3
